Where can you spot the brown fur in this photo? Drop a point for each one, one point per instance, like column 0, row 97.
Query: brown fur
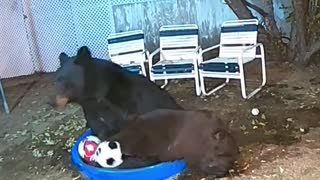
column 196, row 136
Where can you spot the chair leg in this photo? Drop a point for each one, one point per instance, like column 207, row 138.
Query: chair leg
column 143, row 70
column 197, row 79
column 165, row 83
column 197, row 85
column 4, row 99
column 203, row 88
column 153, row 80
column 243, row 83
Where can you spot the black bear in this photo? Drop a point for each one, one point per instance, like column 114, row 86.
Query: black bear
column 198, row 137
column 98, row 84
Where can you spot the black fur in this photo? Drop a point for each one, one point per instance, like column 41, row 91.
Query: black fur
column 107, row 92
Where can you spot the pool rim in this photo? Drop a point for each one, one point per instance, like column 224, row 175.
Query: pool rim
column 77, row 161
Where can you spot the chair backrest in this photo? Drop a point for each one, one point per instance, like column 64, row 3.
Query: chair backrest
column 178, row 41
column 126, row 47
column 237, row 35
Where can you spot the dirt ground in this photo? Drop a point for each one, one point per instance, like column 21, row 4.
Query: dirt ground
column 282, row 142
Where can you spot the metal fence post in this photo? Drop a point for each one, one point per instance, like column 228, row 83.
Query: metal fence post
column 4, row 99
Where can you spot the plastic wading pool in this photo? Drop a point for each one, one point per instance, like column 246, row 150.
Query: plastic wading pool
column 159, row 171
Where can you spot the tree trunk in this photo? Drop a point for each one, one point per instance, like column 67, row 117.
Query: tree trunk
column 240, row 9
column 300, row 15
column 315, row 47
column 301, row 49
column 293, row 41
column 270, row 22
column 268, row 16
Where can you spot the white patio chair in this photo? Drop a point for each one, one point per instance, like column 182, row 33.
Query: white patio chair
column 238, row 45
column 4, row 99
column 178, row 55
column 128, row 50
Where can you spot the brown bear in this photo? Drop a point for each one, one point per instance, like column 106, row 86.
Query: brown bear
column 198, row 137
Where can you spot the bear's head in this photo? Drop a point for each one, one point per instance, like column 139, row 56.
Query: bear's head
column 221, row 152
column 70, row 79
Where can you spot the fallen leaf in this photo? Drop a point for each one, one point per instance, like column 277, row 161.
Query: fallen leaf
column 289, row 119
column 50, row 153
column 24, row 132
column 243, row 127
column 302, row 130
column 262, row 124
column 281, row 169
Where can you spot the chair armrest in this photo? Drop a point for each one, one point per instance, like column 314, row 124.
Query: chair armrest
column 197, row 49
column 253, row 46
column 151, row 57
column 146, row 52
column 195, row 59
column 200, row 58
column 209, row 49
column 248, row 48
column 154, row 53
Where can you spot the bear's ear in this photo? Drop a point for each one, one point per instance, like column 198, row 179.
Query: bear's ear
column 63, row 58
column 83, row 55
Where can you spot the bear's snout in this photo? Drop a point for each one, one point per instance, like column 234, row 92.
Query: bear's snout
column 58, row 102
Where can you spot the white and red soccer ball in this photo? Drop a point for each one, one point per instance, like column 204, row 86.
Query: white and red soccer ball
column 106, row 154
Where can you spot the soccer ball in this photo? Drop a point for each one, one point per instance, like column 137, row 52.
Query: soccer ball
column 87, row 149
column 108, row 154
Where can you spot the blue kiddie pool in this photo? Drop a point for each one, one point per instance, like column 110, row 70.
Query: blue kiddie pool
column 160, row 171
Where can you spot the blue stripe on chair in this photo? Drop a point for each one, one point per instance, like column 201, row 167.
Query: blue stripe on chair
column 179, row 32
column 185, row 47
column 134, row 69
column 128, row 52
column 126, row 38
column 172, row 68
column 220, row 67
column 243, row 28
column 232, row 45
